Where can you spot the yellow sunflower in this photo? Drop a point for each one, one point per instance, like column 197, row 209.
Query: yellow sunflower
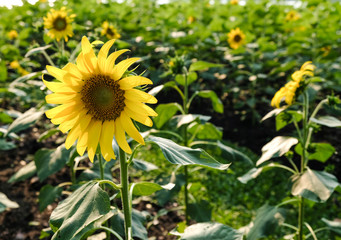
column 12, row 34
column 98, row 101
column 59, row 24
column 109, row 31
column 234, row 2
column 288, row 92
column 236, row 38
column 292, row 16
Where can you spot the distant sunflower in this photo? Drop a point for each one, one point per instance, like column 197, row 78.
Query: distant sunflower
column 59, row 24
column 109, row 31
column 292, row 16
column 12, row 34
column 98, row 101
column 234, row 2
column 288, row 93
column 236, row 38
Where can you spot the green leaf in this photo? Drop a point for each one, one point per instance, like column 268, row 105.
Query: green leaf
column 188, row 118
column 334, row 226
column 200, row 211
column 166, row 112
column 138, row 228
column 77, row 214
column 47, row 195
column 211, row 231
column 314, row 185
column 95, row 173
column 177, row 154
column 25, row 172
column 145, row 188
column 206, row 131
column 37, row 50
column 164, row 195
column 26, row 120
column 287, row 117
column 6, row 203
column 276, row 148
column 49, row 161
column 47, row 134
column 251, row 174
column 143, row 165
column 191, row 77
column 3, row 71
column 4, row 145
column 5, row 118
column 272, row 113
column 202, row 65
column 266, row 221
column 216, row 102
column 328, row 121
column 317, row 151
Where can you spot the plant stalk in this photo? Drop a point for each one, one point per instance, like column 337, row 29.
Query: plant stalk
column 300, row 217
column 126, row 204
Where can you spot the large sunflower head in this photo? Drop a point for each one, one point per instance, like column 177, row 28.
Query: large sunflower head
column 58, row 22
column 294, row 87
column 109, row 31
column 236, row 38
column 98, row 101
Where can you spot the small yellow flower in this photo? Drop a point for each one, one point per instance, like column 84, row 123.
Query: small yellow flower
column 236, row 38
column 292, row 16
column 98, row 101
column 190, row 19
column 12, row 34
column 59, row 24
column 109, row 31
column 288, row 92
column 326, row 50
column 15, row 64
column 234, row 2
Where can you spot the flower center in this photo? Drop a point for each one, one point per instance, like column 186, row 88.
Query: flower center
column 59, row 23
column 237, row 38
column 103, row 97
column 110, row 32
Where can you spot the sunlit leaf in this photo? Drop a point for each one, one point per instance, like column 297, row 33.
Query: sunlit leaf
column 328, row 121
column 6, row 203
column 202, row 65
column 166, row 112
column 216, row 102
column 25, row 172
column 47, row 195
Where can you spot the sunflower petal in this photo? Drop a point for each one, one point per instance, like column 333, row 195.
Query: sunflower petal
column 60, row 98
column 61, row 110
column 103, row 53
column 144, row 119
column 130, row 128
column 110, row 62
column 140, row 108
column 137, row 95
column 122, row 67
column 121, row 137
column 88, row 54
column 71, row 122
column 56, row 72
column 133, row 81
column 94, row 134
column 106, row 138
column 73, row 70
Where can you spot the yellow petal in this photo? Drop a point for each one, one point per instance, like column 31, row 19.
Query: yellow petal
column 129, row 127
column 137, row 95
column 133, row 81
column 56, row 72
column 121, row 137
column 140, row 108
column 103, row 53
column 109, row 65
column 61, row 110
column 144, row 119
column 61, row 87
column 94, row 134
column 122, row 67
column 88, row 54
column 72, row 136
column 82, row 66
column 73, row 70
column 107, row 135
column 70, row 122
column 59, row 98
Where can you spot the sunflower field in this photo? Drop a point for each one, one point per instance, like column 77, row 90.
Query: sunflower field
column 178, row 119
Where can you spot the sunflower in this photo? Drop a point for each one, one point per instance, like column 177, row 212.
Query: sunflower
column 236, row 38
column 98, row 101
column 59, row 24
column 289, row 91
column 109, row 31
column 12, row 34
column 234, row 2
column 292, row 16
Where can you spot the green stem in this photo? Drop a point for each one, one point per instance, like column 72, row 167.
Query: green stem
column 125, row 195
column 186, row 195
column 110, row 231
column 99, row 158
column 300, row 217
column 115, row 186
column 48, row 58
column 72, row 170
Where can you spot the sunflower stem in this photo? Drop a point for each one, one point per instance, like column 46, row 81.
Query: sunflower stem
column 48, row 58
column 126, row 203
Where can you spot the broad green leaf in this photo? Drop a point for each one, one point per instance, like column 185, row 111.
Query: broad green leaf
column 276, row 148
column 26, row 120
column 177, row 154
column 25, row 78
column 211, row 231
column 145, row 188
column 37, row 50
column 6, row 203
column 328, row 121
column 138, row 229
column 334, row 226
column 47, row 195
column 202, row 65
column 164, row 195
column 76, row 215
column 287, row 117
column 3, row 71
column 166, row 112
column 272, row 113
column 188, row 118
column 158, row 89
column 95, row 173
column 191, row 77
column 4, row 145
column 266, row 221
column 206, row 131
column 216, row 102
column 143, row 165
column 49, row 161
column 251, row 174
column 314, row 185
column 317, row 151
column 47, row 134
column 25, row 172
column 5, row 118
column 200, row 211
